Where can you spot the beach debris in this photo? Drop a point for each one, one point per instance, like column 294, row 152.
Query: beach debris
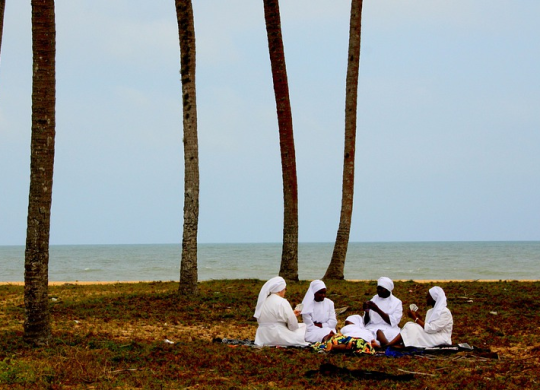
column 493, row 312
column 54, row 299
column 415, row 372
column 168, row 341
column 470, row 301
column 76, row 321
column 341, row 310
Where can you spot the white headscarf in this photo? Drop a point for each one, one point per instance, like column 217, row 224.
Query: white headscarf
column 357, row 328
column 439, row 297
column 386, row 283
column 309, row 298
column 274, row 285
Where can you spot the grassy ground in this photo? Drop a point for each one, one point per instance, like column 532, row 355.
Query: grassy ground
column 113, row 337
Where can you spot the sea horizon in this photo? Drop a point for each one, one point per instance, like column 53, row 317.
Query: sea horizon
column 399, row 260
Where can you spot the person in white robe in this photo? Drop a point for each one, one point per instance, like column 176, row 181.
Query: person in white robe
column 354, row 327
column 434, row 331
column 384, row 311
column 318, row 313
column 278, row 325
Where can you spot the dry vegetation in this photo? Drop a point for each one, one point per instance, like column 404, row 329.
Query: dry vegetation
column 113, row 337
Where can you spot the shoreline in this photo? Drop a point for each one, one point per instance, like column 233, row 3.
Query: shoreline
column 100, row 282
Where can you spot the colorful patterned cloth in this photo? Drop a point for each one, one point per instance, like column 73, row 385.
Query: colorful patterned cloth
column 353, row 344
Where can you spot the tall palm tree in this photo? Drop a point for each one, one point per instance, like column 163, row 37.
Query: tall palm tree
column 186, row 33
column 337, row 264
column 36, row 263
column 289, row 256
column 2, row 8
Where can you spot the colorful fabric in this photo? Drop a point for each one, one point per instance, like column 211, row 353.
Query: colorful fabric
column 355, row 345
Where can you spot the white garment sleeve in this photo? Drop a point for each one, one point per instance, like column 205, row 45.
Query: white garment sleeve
column 396, row 314
column 288, row 313
column 332, row 320
column 440, row 323
column 308, row 320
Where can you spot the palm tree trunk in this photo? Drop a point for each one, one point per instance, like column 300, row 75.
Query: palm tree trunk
column 337, row 264
column 186, row 33
column 289, row 256
column 36, row 325
column 2, row 8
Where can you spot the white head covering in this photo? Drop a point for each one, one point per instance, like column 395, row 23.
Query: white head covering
column 386, row 283
column 356, row 319
column 309, row 298
column 274, row 285
column 357, row 328
column 439, row 297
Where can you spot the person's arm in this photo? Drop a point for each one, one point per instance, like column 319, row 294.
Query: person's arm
column 396, row 314
column 332, row 320
column 440, row 323
column 288, row 313
column 308, row 320
column 366, row 317
column 373, row 306
column 415, row 316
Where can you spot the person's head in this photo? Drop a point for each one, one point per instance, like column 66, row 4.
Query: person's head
column 384, row 287
column 315, row 293
column 435, row 294
column 320, row 295
column 429, row 299
column 354, row 319
column 276, row 285
column 273, row 286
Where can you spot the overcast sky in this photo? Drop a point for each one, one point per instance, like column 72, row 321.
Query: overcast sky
column 448, row 121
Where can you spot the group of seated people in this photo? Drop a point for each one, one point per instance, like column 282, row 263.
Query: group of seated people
column 377, row 328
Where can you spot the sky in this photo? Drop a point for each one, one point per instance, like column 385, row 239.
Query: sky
column 448, row 126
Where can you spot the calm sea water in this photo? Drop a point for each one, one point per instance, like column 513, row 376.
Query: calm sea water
column 416, row 260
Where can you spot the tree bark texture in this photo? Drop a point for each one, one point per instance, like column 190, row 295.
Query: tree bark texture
column 186, row 33
column 2, row 8
column 337, row 264
column 289, row 257
column 37, row 325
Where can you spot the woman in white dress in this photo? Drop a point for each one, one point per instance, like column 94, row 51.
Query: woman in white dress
column 278, row 325
column 435, row 330
column 384, row 311
column 318, row 313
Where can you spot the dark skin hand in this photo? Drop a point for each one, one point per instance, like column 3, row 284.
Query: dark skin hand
column 414, row 314
column 370, row 305
column 319, row 297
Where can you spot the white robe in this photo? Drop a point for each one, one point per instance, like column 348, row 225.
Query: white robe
column 278, row 325
column 324, row 313
column 391, row 306
column 438, row 332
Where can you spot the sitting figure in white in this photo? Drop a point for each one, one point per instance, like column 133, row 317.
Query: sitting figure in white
column 318, row 313
column 384, row 311
column 434, row 331
column 278, row 325
column 354, row 327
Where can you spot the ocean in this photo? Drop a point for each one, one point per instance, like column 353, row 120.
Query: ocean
column 365, row 261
